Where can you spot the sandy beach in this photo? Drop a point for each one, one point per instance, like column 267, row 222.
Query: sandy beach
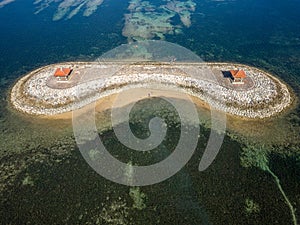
column 262, row 95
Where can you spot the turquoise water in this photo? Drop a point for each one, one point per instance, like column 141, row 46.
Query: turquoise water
column 44, row 179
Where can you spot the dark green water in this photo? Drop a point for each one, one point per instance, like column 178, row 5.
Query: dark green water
column 44, row 179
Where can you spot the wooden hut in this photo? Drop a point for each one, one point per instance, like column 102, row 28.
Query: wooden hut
column 238, row 76
column 62, row 74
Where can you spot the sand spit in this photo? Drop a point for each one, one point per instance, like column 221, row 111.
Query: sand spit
column 262, row 95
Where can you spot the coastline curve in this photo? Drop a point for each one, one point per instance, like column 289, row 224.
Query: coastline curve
column 38, row 93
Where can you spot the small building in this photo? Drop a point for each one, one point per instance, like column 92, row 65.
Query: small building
column 62, row 74
column 238, row 76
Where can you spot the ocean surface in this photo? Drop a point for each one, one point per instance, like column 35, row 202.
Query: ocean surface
column 44, row 178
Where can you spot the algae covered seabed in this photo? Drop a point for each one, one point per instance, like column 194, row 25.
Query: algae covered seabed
column 43, row 177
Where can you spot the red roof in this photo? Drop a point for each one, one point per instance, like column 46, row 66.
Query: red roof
column 62, row 72
column 238, row 73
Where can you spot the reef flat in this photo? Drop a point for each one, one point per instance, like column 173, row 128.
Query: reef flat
column 260, row 95
column 145, row 20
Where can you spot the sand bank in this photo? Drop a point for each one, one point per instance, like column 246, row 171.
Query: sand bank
column 262, row 95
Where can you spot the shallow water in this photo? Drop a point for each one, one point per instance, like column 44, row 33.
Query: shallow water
column 48, row 180
column 44, row 178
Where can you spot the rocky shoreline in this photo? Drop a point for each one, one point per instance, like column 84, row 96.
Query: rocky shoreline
column 262, row 96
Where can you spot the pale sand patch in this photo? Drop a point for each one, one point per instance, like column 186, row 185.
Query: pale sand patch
column 269, row 129
column 106, row 103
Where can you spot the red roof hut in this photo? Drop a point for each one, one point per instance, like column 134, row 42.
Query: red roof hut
column 62, row 73
column 238, row 76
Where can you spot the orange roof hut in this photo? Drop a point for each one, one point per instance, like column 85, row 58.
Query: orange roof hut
column 62, row 73
column 238, row 76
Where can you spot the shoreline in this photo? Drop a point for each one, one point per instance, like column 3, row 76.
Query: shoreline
column 32, row 93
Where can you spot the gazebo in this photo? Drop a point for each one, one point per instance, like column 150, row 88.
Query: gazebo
column 238, row 76
column 62, row 74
